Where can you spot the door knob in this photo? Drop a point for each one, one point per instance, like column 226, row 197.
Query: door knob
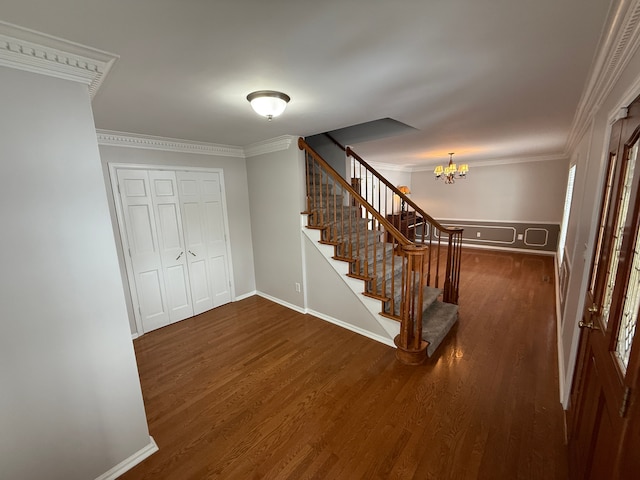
column 178, row 257
column 192, row 253
column 593, row 308
column 589, row 325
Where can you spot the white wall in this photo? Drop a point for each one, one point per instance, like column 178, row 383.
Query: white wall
column 70, row 401
column 337, row 298
column 276, row 197
column 237, row 198
column 512, row 192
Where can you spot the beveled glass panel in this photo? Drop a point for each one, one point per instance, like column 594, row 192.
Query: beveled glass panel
column 606, row 200
column 629, row 318
column 618, row 234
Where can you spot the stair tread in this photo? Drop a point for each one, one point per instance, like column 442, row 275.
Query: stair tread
column 382, row 267
column 429, row 296
column 437, row 320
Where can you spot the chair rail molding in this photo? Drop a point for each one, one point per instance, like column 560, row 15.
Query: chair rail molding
column 36, row 52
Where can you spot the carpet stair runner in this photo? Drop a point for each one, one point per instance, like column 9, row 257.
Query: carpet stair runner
column 350, row 234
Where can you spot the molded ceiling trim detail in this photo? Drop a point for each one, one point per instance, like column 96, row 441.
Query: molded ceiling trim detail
column 149, row 142
column 395, row 168
column 503, row 161
column 618, row 44
column 269, row 146
column 35, row 52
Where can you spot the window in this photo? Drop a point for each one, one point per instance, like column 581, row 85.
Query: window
column 565, row 216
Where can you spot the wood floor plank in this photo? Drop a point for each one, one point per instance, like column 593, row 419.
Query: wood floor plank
column 253, row 390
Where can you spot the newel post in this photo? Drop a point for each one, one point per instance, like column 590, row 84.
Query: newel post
column 411, row 348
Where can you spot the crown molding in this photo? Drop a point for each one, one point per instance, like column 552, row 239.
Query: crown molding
column 502, row 161
column 619, row 42
column 149, row 142
column 269, row 146
column 392, row 167
column 36, row 52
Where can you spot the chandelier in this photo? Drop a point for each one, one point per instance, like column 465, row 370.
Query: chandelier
column 451, row 172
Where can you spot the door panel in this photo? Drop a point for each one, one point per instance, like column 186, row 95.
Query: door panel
column 177, row 280
column 194, row 233
column 139, row 221
column 220, row 276
column 201, row 202
column 602, row 384
column 151, row 298
column 164, row 194
column 216, row 238
column 142, row 238
column 175, row 232
column 168, row 215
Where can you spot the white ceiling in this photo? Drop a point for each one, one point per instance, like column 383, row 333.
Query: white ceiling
column 487, row 79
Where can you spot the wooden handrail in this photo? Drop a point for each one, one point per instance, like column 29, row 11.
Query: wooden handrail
column 378, row 252
column 416, row 207
column 389, row 227
column 411, row 214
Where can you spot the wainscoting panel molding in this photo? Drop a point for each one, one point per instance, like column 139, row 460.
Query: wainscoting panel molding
column 511, row 235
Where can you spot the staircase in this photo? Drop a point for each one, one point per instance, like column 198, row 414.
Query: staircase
column 406, row 276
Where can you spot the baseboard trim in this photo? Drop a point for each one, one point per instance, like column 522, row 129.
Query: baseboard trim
column 130, row 462
column 327, row 318
column 353, row 328
column 508, row 249
column 244, row 296
column 135, row 335
column 282, row 302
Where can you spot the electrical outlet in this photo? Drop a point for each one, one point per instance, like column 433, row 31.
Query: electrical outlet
column 297, row 287
column 520, row 236
column 478, row 234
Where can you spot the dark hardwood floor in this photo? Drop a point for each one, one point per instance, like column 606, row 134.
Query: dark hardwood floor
column 252, row 390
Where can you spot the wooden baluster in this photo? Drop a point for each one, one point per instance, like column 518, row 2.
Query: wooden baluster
column 411, row 348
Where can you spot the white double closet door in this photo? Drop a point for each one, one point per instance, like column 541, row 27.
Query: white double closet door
column 174, row 233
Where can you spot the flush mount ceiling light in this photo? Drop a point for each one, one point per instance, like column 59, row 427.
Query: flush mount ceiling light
column 268, row 103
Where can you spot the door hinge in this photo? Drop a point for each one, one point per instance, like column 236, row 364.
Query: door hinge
column 118, row 185
column 139, row 310
column 129, row 252
column 625, row 402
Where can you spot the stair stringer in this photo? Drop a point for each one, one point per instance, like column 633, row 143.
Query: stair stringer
column 391, row 328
